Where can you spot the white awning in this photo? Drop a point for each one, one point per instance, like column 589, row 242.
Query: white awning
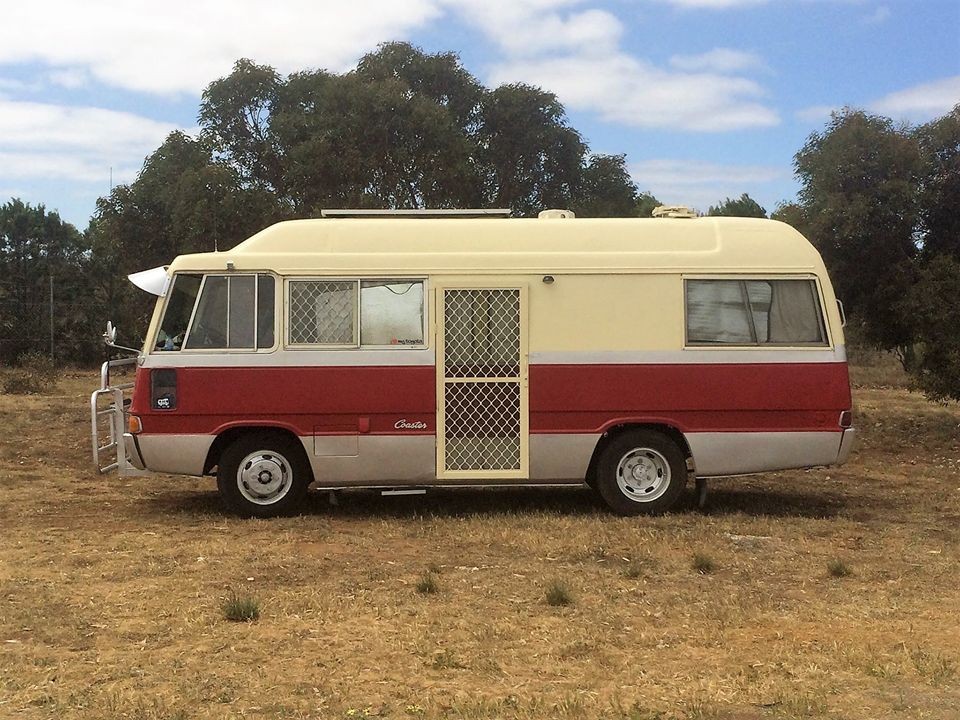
column 154, row 281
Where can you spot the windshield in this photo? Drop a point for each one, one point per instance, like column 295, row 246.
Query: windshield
column 183, row 295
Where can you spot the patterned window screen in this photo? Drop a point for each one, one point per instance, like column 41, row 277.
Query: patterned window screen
column 322, row 312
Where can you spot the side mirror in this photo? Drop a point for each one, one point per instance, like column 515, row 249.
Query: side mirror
column 110, row 340
column 110, row 336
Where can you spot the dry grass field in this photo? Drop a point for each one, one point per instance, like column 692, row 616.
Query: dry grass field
column 826, row 593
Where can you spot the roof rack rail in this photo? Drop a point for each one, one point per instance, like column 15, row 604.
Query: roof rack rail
column 424, row 213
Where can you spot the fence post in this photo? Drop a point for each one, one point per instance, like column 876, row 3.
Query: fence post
column 51, row 317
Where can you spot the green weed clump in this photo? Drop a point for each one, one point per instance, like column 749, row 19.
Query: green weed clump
column 241, row 608
column 838, row 568
column 427, row 584
column 558, row 594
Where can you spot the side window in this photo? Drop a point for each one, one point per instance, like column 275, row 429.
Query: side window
column 717, row 313
column 322, row 312
column 391, row 312
column 266, row 304
column 753, row 312
column 183, row 296
column 233, row 312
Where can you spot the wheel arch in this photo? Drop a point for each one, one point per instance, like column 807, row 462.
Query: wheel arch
column 616, row 429
column 229, row 434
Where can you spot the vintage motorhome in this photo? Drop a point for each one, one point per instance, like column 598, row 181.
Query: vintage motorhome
column 403, row 352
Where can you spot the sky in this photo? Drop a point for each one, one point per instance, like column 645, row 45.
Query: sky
column 707, row 99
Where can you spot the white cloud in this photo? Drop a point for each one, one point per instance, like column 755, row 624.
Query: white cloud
column 700, row 185
column 38, row 164
column 181, row 45
column 918, row 103
column 715, row 4
column 630, row 91
column 720, row 60
column 568, row 46
column 39, row 140
column 921, row 102
column 534, row 27
column 577, row 55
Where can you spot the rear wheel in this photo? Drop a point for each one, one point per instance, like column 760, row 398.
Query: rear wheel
column 641, row 472
column 263, row 474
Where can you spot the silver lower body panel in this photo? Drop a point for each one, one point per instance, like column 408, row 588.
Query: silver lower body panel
column 175, row 454
column 388, row 460
column 741, row 453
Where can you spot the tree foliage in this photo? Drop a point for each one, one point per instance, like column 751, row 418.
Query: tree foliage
column 793, row 214
column 936, row 319
column 743, row 206
column 235, row 117
column 405, row 129
column 882, row 203
column 939, row 185
column 605, row 189
column 645, row 205
column 184, row 200
column 35, row 246
column 858, row 191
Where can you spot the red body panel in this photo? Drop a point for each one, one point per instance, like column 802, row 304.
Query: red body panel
column 563, row 398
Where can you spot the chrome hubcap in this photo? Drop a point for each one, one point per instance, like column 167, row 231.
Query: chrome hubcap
column 643, row 475
column 264, row 477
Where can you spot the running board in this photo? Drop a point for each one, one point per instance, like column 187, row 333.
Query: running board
column 404, row 491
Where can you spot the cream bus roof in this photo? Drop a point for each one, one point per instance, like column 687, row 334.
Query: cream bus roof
column 495, row 246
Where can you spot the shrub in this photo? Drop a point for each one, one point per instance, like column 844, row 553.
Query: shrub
column 241, row 608
column 558, row 594
column 838, row 568
column 427, row 584
column 35, row 373
column 703, row 563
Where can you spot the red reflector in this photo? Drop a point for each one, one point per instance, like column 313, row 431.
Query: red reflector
column 846, row 419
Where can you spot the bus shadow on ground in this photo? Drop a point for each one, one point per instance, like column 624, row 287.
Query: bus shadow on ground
column 571, row 501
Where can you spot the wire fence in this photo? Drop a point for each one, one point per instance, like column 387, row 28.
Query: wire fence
column 62, row 316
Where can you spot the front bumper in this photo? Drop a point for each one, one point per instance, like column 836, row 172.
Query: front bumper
column 132, row 450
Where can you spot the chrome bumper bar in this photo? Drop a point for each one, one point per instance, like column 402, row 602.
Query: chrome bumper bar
column 108, row 423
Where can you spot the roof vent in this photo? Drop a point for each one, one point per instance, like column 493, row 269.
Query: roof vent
column 673, row 211
column 556, row 214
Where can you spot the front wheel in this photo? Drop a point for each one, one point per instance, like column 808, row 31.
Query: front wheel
column 263, row 474
column 641, row 472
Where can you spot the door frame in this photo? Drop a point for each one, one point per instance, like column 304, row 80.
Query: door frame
column 440, row 287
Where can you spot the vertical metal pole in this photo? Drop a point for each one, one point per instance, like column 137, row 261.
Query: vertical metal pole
column 51, row 316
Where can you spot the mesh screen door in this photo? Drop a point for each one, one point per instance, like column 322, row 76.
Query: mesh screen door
column 482, row 371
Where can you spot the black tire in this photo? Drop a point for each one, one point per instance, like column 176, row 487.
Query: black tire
column 660, row 467
column 276, row 458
